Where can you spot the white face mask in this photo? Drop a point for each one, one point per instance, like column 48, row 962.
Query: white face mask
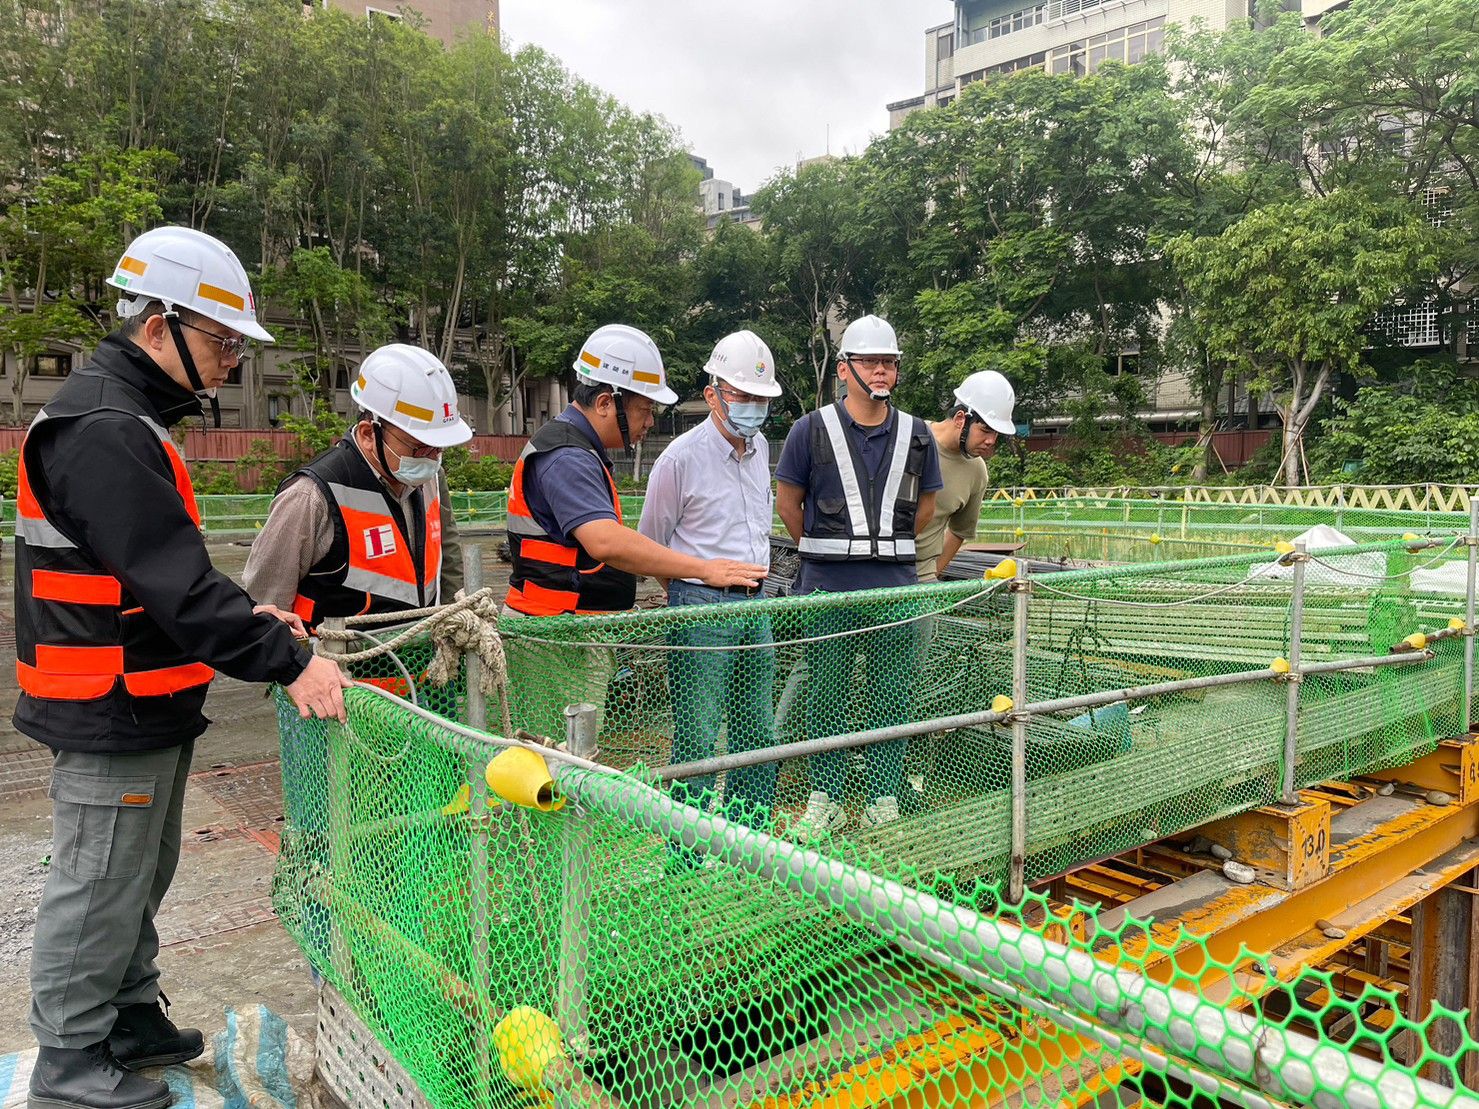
column 746, row 418
column 417, row 471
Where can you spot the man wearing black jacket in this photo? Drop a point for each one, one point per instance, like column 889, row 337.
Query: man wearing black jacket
column 121, row 622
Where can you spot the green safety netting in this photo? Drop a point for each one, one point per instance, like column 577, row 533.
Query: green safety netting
column 1142, row 527
column 629, row 940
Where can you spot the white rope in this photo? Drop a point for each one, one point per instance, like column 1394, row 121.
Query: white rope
column 518, row 635
column 1388, row 577
column 1037, row 584
column 468, row 624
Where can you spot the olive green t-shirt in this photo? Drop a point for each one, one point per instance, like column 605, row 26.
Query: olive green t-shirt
column 957, row 506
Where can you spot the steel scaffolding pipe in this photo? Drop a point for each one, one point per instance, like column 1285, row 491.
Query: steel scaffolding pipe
column 718, row 764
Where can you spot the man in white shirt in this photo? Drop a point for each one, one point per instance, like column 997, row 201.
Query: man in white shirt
column 709, row 496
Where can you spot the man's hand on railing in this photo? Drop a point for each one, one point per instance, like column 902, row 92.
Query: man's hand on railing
column 319, row 690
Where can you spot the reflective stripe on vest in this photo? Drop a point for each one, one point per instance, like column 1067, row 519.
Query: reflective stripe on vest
column 380, row 561
column 902, row 439
column 863, row 543
column 31, row 523
column 857, row 548
column 857, row 511
column 538, row 554
column 83, row 671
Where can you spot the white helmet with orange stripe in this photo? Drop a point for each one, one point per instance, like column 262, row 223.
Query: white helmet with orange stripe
column 627, row 360
column 185, row 268
column 410, row 388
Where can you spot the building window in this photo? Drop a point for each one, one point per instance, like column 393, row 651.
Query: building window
column 944, row 101
column 1013, row 22
column 1027, row 61
column 1410, row 325
column 1124, row 44
column 380, row 13
column 51, row 365
column 945, row 47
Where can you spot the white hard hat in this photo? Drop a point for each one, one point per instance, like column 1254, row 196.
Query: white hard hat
column 626, row 359
column 185, row 268
column 743, row 360
column 869, row 335
column 410, row 388
column 990, row 398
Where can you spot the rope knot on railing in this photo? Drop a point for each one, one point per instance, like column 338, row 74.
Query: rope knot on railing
column 470, row 624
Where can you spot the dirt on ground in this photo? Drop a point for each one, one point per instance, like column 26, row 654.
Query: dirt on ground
column 221, row 944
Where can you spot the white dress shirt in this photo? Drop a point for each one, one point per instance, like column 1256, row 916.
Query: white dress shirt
column 706, row 499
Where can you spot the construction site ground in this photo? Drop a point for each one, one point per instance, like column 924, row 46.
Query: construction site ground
column 221, row 943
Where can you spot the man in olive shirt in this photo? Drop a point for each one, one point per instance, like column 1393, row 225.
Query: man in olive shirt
column 966, row 439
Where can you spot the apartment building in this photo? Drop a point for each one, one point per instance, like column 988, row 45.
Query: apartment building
column 990, row 37
column 720, row 199
column 443, row 19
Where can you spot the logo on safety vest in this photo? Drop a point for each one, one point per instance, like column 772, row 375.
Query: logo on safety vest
column 434, row 529
column 380, row 542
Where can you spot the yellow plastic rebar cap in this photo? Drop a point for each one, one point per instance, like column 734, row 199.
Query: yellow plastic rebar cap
column 1004, row 570
column 521, row 777
column 528, row 1041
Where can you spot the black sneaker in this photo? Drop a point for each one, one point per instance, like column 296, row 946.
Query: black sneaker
column 144, row 1036
column 91, row 1078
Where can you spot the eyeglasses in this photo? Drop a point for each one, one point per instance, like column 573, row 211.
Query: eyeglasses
column 415, row 449
column 232, row 346
column 734, row 396
column 869, row 361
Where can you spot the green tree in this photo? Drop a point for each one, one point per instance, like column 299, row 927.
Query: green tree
column 814, row 221
column 339, row 307
column 1019, row 230
column 1386, row 98
column 60, row 237
column 1286, row 295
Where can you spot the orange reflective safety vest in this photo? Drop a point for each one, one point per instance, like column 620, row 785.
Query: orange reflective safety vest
column 79, row 631
column 550, row 576
column 379, row 561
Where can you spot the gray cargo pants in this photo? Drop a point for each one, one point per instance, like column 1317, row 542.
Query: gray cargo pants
column 115, row 845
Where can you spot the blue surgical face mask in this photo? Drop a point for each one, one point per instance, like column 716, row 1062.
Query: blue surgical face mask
column 745, row 418
column 417, row 471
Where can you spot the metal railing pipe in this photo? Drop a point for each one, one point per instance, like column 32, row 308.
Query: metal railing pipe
column 1021, row 592
column 1469, row 585
column 1295, row 677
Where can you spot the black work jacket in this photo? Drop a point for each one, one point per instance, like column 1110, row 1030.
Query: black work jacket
column 104, row 482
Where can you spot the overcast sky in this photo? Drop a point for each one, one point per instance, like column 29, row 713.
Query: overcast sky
column 751, row 84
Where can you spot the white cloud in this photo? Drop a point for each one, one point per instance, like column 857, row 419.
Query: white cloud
column 751, row 85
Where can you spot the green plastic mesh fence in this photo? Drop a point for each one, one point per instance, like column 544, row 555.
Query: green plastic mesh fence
column 832, row 927
column 1152, row 529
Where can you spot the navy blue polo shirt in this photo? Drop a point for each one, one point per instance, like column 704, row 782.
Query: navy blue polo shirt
column 795, row 469
column 567, row 488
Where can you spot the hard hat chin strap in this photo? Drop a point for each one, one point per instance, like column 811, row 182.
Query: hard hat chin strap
column 965, row 431
column 187, row 360
column 380, row 448
column 883, row 397
column 621, row 420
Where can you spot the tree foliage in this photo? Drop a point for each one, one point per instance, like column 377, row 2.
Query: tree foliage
column 1240, row 211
